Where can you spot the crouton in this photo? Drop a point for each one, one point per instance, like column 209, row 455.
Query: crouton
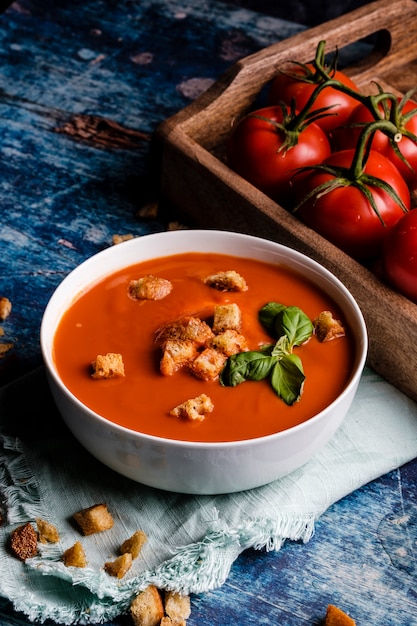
column 134, row 544
column 327, row 327
column 208, row 365
column 94, row 519
column 109, row 365
column 227, row 317
column 230, row 342
column 119, row 566
column 24, row 541
column 177, row 606
column 74, row 556
column 187, row 328
column 194, row 408
column 226, row 281
column 150, row 288
column 176, row 354
column 336, row 617
column 116, row 239
column 147, row 608
column 168, row 621
column 5, row 308
column 47, row 532
column 5, row 348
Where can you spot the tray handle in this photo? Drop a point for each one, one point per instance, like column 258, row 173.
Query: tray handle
column 232, row 94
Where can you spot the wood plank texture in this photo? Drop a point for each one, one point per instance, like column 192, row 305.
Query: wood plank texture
column 83, row 87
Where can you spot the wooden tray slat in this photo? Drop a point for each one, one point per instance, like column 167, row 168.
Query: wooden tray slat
column 197, row 181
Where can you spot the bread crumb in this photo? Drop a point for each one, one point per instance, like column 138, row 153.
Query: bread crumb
column 24, row 541
column 74, row 556
column 134, row 544
column 177, row 606
column 5, row 308
column 327, row 327
column 148, row 210
column 47, row 532
column 336, row 617
column 176, row 225
column 226, row 281
column 147, row 608
column 194, row 408
column 149, row 288
column 119, row 566
column 94, row 519
column 5, row 348
column 116, row 239
column 109, row 365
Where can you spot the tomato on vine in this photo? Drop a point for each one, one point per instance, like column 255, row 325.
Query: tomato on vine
column 399, row 257
column 402, row 112
column 267, row 146
column 354, row 197
column 299, row 82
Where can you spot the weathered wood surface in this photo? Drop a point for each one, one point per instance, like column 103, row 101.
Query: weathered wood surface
column 82, row 88
column 196, row 178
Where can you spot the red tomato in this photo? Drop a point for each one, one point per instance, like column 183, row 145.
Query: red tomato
column 399, row 258
column 344, row 215
column 347, row 137
column 300, row 82
column 256, row 150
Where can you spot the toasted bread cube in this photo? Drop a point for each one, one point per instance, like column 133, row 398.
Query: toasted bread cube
column 226, row 281
column 176, row 354
column 5, row 348
column 24, row 541
column 336, row 617
column 230, row 342
column 150, row 288
column 116, row 239
column 208, row 365
column 74, row 556
column 134, row 544
column 47, row 532
column 168, row 621
column 147, row 608
column 226, row 317
column 187, row 328
column 5, row 308
column 94, row 519
column 177, row 606
column 327, row 327
column 194, row 408
column 109, row 365
column 119, row 566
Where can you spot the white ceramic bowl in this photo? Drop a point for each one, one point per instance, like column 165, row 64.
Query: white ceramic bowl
column 190, row 467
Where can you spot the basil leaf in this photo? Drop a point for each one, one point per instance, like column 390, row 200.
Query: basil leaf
column 287, row 378
column 252, row 365
column 294, row 324
column 282, row 347
column 267, row 316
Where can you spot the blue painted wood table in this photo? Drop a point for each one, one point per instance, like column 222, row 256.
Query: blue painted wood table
column 82, row 88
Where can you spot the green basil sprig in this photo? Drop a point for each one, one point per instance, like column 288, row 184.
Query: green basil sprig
column 291, row 327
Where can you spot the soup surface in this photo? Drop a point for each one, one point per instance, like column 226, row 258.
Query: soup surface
column 106, row 319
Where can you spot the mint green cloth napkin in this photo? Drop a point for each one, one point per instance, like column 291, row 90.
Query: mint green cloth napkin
column 192, row 541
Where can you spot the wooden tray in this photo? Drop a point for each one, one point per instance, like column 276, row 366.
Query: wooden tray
column 196, row 180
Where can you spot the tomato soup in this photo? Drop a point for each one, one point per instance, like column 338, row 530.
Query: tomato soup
column 105, row 319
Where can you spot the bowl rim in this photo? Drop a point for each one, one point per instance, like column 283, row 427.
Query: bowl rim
column 53, row 376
